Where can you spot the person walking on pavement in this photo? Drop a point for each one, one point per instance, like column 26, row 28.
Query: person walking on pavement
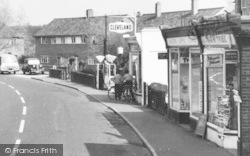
column 118, row 85
column 128, row 81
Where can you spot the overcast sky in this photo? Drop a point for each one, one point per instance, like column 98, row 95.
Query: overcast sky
column 40, row 12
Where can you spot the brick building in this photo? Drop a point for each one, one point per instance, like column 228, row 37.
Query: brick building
column 82, row 37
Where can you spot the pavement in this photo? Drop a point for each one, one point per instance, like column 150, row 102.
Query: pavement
column 161, row 136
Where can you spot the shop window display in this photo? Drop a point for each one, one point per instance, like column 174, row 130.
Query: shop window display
column 215, row 91
column 184, row 80
column 222, row 85
column 175, row 80
column 137, row 72
column 195, row 79
column 232, row 87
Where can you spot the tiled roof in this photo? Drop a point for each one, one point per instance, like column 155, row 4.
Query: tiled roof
column 77, row 26
column 96, row 25
column 174, row 19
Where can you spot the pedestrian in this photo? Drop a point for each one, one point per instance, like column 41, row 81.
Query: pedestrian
column 128, row 81
column 118, row 85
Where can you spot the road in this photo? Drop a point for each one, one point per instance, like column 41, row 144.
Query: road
column 34, row 112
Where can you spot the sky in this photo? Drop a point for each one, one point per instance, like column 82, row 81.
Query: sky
column 41, row 12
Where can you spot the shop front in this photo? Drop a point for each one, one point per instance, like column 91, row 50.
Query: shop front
column 203, row 65
column 135, row 66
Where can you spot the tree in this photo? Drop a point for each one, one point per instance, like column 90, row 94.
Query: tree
column 9, row 34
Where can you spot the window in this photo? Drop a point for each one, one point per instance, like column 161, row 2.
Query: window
column 175, row 79
column 68, row 40
column 83, row 39
column 93, row 40
column 184, row 79
column 53, row 40
column 44, row 40
column 73, row 39
column 91, row 61
column 44, row 59
column 13, row 41
column 195, row 84
column 63, row 40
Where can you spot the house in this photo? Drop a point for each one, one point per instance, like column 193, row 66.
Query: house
column 83, row 37
column 12, row 41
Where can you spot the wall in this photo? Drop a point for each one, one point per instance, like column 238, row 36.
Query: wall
column 67, row 50
column 153, row 69
column 245, row 92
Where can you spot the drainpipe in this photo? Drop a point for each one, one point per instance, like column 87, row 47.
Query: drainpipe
column 201, row 46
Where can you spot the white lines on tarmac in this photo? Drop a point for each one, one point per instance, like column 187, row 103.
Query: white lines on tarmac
column 22, row 99
column 2, row 82
column 18, row 141
column 24, row 110
column 18, row 93
column 21, row 126
column 11, row 86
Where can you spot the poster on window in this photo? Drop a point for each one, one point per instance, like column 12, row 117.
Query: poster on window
column 214, row 89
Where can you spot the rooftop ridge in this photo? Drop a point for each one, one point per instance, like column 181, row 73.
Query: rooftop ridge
column 184, row 11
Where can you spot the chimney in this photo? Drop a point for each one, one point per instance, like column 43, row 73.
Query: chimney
column 89, row 13
column 194, row 7
column 158, row 9
column 238, row 7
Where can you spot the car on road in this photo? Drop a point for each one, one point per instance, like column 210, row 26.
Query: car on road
column 32, row 66
column 8, row 63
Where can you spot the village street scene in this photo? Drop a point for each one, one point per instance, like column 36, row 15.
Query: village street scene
column 125, row 78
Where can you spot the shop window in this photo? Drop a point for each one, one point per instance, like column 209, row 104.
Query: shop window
column 175, row 80
column 137, row 72
column 195, row 84
column 232, row 78
column 184, row 79
column 215, row 91
column 215, row 88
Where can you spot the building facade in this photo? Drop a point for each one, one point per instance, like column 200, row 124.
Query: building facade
column 205, row 59
column 84, row 37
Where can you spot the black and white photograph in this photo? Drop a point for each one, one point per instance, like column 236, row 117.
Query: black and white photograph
column 125, row 78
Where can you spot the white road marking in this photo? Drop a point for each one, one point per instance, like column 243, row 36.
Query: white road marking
column 24, row 110
column 11, row 86
column 21, row 126
column 2, row 82
column 18, row 141
column 22, row 99
column 18, row 93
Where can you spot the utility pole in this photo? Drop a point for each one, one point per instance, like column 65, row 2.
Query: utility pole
column 105, row 36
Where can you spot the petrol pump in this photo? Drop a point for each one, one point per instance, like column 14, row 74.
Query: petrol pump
column 109, row 73
column 107, row 68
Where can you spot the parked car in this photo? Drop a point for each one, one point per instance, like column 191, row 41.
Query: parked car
column 8, row 63
column 32, row 65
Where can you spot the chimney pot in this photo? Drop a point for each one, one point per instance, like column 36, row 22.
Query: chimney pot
column 158, row 9
column 89, row 13
column 194, row 7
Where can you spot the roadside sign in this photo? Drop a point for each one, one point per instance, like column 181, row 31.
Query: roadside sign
column 120, row 27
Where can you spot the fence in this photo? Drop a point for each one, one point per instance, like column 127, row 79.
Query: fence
column 57, row 73
column 157, row 98
column 83, row 78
